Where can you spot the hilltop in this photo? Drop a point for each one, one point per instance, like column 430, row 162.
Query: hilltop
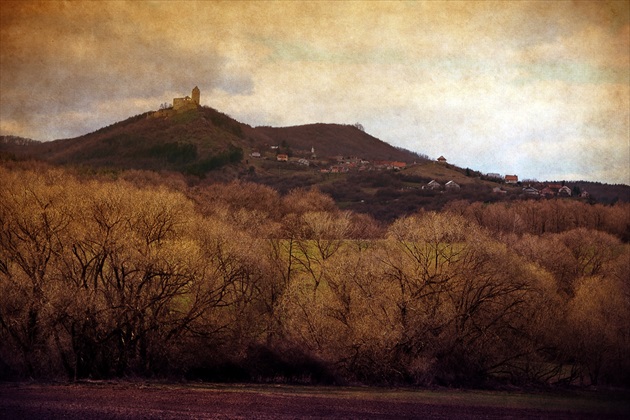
column 196, row 140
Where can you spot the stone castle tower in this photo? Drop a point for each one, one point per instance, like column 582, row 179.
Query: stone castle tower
column 196, row 95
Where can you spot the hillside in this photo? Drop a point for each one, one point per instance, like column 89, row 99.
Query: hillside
column 12, row 146
column 335, row 140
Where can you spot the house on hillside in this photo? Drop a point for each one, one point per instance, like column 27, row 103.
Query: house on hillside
column 547, row 192
column 531, row 191
column 564, row 191
column 382, row 164
column 338, row 169
column 441, row 159
column 434, row 185
column 553, row 190
column 511, row 179
column 452, row 186
column 255, row 155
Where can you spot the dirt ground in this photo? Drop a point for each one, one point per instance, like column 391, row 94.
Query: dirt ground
column 116, row 400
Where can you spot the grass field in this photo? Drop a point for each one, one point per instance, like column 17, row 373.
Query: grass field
column 114, row 399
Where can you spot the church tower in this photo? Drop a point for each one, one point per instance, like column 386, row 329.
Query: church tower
column 196, row 95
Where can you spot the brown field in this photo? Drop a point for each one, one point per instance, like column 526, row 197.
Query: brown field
column 131, row 400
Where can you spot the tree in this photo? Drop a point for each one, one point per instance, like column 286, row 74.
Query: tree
column 464, row 300
column 131, row 262
column 598, row 336
column 301, row 201
column 35, row 212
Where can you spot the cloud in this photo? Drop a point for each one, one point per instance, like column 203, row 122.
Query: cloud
column 480, row 82
column 85, row 56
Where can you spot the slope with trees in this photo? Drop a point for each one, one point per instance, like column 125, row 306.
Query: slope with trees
column 139, row 274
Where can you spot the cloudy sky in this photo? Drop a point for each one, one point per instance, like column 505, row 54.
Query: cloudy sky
column 539, row 89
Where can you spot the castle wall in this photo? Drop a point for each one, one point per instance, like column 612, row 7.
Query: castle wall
column 161, row 113
column 183, row 103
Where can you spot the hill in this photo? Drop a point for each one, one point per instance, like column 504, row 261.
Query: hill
column 199, row 140
column 194, row 141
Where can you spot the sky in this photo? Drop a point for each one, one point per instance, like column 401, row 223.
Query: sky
column 539, row 89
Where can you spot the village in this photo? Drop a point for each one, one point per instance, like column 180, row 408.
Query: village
column 348, row 164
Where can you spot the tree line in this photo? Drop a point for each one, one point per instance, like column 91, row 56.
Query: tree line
column 136, row 274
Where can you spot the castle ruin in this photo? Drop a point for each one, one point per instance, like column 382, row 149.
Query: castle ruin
column 179, row 105
column 187, row 102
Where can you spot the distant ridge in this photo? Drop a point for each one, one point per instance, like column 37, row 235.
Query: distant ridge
column 17, row 141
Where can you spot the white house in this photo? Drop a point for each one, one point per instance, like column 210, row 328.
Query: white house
column 451, row 185
column 565, row 191
column 530, row 191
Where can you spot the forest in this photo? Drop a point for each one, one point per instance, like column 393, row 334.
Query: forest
column 136, row 274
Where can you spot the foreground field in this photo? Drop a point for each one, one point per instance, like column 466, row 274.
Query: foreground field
column 115, row 400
